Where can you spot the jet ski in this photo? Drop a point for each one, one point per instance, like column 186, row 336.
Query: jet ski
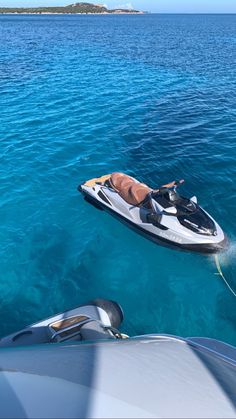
column 98, row 319
column 161, row 215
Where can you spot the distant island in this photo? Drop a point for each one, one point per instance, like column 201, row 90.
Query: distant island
column 77, row 8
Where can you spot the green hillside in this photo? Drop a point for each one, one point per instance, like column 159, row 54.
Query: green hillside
column 72, row 8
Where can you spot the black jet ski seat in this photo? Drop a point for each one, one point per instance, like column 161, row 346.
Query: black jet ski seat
column 131, row 190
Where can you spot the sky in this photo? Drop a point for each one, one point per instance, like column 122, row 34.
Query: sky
column 158, row 6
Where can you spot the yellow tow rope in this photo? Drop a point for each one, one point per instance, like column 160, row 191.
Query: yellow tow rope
column 222, row 275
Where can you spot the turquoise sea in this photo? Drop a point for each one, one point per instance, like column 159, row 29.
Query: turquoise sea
column 153, row 96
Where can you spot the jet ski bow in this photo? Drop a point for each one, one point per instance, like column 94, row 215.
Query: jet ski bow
column 161, row 215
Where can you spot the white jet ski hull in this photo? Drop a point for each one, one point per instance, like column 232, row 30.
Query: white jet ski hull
column 168, row 233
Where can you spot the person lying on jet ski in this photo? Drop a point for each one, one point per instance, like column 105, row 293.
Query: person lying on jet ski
column 133, row 192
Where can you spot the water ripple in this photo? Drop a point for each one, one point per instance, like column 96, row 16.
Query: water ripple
column 82, row 96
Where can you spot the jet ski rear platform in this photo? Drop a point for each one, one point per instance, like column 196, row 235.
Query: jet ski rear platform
column 164, row 217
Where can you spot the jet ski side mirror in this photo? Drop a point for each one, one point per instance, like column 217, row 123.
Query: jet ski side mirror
column 171, row 210
column 194, row 199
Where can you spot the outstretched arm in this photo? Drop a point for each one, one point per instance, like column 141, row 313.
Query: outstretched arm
column 174, row 183
column 171, row 184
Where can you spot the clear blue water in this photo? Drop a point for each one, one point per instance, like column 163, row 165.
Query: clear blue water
column 81, row 96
